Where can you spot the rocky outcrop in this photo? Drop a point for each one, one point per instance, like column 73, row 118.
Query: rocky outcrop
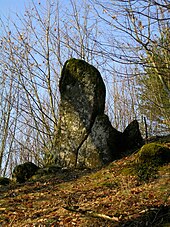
column 85, row 137
column 23, row 172
column 82, row 100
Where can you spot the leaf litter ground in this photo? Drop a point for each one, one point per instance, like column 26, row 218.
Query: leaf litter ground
column 111, row 196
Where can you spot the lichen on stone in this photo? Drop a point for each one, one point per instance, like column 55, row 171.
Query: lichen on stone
column 82, row 99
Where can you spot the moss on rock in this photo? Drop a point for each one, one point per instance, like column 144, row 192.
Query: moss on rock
column 149, row 158
column 74, row 70
column 153, row 152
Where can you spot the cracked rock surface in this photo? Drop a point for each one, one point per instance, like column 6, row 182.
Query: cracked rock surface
column 82, row 99
column 85, row 137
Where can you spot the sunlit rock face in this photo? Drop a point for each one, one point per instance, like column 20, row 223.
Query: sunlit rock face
column 82, row 99
column 102, row 145
column 85, row 136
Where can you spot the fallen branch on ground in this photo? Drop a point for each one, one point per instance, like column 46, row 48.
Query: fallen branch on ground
column 91, row 213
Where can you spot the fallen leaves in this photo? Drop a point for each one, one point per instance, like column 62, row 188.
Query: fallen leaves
column 103, row 197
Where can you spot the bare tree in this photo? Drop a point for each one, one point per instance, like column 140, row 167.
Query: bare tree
column 135, row 28
column 34, row 50
column 115, row 38
column 8, row 118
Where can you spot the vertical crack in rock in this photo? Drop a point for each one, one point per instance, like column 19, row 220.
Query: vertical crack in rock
column 86, row 138
column 102, row 146
column 82, row 142
column 82, row 99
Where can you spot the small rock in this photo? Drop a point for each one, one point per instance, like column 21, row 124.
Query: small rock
column 4, row 181
column 23, row 172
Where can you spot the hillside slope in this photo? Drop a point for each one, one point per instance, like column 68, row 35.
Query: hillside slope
column 112, row 196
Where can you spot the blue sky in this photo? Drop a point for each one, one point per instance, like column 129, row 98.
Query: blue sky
column 10, row 7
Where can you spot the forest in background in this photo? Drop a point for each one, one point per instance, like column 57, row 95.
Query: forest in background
column 127, row 41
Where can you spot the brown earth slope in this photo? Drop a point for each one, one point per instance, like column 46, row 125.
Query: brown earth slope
column 111, row 196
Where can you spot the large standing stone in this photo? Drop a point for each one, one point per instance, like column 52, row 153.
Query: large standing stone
column 82, row 99
column 86, row 138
